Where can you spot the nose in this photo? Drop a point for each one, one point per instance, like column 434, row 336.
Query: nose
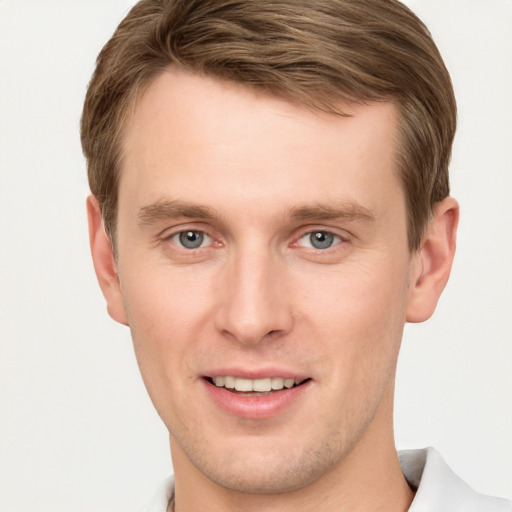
column 254, row 304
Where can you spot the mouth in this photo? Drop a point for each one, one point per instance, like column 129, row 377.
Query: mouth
column 270, row 395
column 255, row 387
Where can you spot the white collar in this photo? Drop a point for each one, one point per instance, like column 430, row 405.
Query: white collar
column 439, row 489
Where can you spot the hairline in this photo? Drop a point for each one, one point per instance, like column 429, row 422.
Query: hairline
column 134, row 98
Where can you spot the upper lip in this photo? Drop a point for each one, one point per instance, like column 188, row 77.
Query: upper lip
column 254, row 374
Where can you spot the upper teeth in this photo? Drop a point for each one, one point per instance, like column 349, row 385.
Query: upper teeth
column 258, row 385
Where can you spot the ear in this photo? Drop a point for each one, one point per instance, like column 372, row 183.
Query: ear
column 104, row 262
column 433, row 261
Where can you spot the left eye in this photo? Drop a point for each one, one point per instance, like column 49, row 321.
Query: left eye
column 319, row 240
column 191, row 239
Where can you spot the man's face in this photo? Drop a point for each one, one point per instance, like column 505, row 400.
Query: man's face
column 261, row 244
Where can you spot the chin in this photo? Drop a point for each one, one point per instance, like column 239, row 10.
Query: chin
column 269, row 471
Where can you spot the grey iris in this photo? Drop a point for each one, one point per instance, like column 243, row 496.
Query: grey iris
column 191, row 239
column 321, row 239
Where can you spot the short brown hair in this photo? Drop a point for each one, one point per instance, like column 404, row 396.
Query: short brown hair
column 315, row 53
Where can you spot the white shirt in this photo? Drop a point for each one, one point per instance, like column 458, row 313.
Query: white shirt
column 439, row 489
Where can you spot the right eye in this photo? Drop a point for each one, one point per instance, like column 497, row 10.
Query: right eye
column 319, row 240
column 191, row 239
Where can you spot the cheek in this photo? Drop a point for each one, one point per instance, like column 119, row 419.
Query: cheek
column 361, row 294
column 359, row 313
column 160, row 297
column 166, row 314
column 160, row 335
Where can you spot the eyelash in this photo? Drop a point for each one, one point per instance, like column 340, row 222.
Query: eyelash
column 337, row 240
column 175, row 238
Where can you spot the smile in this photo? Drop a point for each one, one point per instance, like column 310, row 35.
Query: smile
column 257, row 399
column 255, row 385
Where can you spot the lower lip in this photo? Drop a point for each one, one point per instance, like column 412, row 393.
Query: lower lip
column 255, row 407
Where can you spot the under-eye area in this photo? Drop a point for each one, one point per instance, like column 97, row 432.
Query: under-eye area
column 255, row 386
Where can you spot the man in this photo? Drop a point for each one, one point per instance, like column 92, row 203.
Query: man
column 270, row 206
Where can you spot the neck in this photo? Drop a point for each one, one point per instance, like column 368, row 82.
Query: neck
column 368, row 478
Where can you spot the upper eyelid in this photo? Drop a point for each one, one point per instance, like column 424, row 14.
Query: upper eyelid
column 321, row 231
column 339, row 232
column 180, row 231
column 341, row 238
column 168, row 232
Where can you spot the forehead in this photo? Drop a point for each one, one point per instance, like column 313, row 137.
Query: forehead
column 192, row 137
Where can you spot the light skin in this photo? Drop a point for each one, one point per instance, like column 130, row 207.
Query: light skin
column 296, row 265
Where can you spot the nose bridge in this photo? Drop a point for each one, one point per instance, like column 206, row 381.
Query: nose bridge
column 254, row 304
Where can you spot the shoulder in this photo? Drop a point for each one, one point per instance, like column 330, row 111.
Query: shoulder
column 439, row 489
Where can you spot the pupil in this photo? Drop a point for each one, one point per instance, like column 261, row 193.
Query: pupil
column 321, row 240
column 191, row 239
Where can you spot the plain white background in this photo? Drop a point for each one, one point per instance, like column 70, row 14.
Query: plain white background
column 77, row 432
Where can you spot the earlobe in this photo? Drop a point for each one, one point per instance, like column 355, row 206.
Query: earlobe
column 433, row 261
column 104, row 262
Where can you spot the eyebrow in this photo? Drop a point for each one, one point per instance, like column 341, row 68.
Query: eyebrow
column 329, row 211
column 169, row 209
